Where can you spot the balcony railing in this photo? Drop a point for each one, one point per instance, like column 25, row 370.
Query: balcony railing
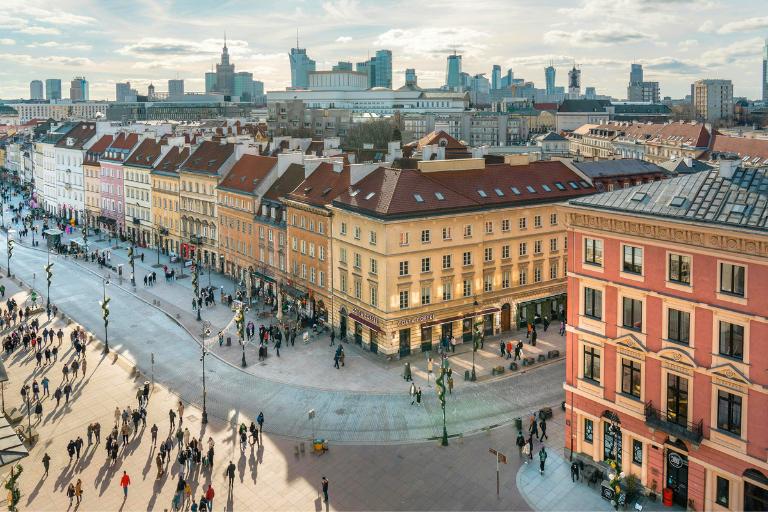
column 658, row 419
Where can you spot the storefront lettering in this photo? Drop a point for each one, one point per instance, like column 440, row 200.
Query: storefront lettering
column 365, row 315
column 416, row 319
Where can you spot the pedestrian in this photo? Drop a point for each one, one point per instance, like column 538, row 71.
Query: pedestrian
column 520, row 442
column 533, row 427
column 124, row 431
column 67, row 391
column 528, row 332
column 180, row 409
column 412, row 392
column 260, row 421
column 89, row 434
column 529, row 447
column 574, row 471
column 46, row 463
column 97, row 432
column 509, row 349
column 71, row 493
column 542, row 459
column 562, row 327
column 159, row 463
column 333, row 337
column 57, row 396
column 534, row 336
column 518, row 350
column 324, row 486
column 172, row 416
column 231, row 475
column 39, row 411
column 71, row 450
column 45, row 382
column 429, row 368
column 125, row 481
column 450, row 384
column 418, row 397
column 502, row 347
column 543, row 427
column 209, row 495
column 153, row 430
column 79, row 491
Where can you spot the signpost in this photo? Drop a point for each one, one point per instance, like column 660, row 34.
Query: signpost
column 500, row 458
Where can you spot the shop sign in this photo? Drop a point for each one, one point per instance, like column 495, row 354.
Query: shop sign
column 416, row 319
column 365, row 315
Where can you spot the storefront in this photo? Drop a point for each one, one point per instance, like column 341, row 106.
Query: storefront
column 534, row 311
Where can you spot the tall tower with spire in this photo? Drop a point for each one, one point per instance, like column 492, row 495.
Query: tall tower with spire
column 301, row 65
column 225, row 72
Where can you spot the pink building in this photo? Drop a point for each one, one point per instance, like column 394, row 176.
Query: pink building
column 112, row 217
column 667, row 362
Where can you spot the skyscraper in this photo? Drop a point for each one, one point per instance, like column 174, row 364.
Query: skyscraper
column 78, row 89
column 301, row 65
column 765, row 71
column 175, row 89
column 36, row 90
column 369, row 68
column 342, row 66
column 410, row 77
column 53, row 89
column 122, row 91
column 636, row 73
column 453, row 72
column 210, row 81
column 496, row 77
column 150, row 92
column 243, row 86
column 549, row 76
column 574, row 81
column 225, row 72
column 507, row 79
column 640, row 90
column 383, row 69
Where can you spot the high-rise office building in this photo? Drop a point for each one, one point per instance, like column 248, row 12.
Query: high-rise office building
column 225, row 73
column 765, row 71
column 342, row 66
column 53, row 89
column 150, row 92
column 36, row 90
column 383, row 69
column 549, row 77
column 453, row 72
column 258, row 92
column 479, row 90
column 508, row 79
column 243, row 86
column 712, row 100
column 301, row 65
column 175, row 89
column 636, row 73
column 496, row 77
column 574, row 81
column 369, row 68
column 210, row 81
column 122, row 91
column 410, row 78
column 640, row 90
column 78, row 89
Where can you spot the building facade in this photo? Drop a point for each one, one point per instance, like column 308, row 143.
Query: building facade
column 137, row 190
column 165, row 199
column 664, row 372
column 92, row 179
column 70, row 181
column 713, row 100
column 112, row 217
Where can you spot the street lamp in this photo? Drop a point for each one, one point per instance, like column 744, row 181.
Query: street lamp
column 240, row 323
column 29, row 413
column 204, row 332
column 475, row 341
column 9, row 247
column 131, row 257
column 440, row 385
column 160, row 232
column 49, row 271
column 105, row 313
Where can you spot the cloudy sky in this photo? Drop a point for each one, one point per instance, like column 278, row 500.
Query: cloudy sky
column 146, row 41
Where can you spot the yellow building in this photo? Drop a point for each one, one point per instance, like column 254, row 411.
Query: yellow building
column 165, row 200
column 420, row 256
column 92, row 181
column 138, row 190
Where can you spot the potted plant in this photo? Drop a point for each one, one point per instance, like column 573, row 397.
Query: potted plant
column 652, row 492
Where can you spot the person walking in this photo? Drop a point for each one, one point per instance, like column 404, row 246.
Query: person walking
column 574, row 471
column 529, row 447
column 125, row 481
column 418, row 397
column 172, row 416
column 533, row 428
column 333, row 337
column 542, row 459
column 543, row 427
column 57, row 396
column 518, row 350
column 79, row 491
column 534, row 336
column 159, row 463
column 520, row 442
column 231, row 476
column 450, row 384
column 46, row 463
column 260, row 421
column 180, row 410
column 209, row 495
column 412, row 392
column 71, row 493
column 153, row 431
column 324, row 487
column 502, row 348
column 509, row 349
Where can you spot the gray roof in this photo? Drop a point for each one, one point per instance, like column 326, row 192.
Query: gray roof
column 551, row 136
column 618, row 168
column 678, row 166
column 653, row 108
column 740, row 201
column 584, row 106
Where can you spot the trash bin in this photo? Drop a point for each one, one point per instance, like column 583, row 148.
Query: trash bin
column 229, row 341
column 466, row 374
column 519, row 423
column 667, row 495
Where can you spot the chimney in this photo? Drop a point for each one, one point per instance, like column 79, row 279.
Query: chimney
column 727, row 167
column 338, row 166
column 688, row 161
column 359, row 171
column 286, row 159
column 426, row 153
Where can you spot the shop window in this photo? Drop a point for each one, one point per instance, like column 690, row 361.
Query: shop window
column 722, row 490
column 589, row 430
column 637, row 452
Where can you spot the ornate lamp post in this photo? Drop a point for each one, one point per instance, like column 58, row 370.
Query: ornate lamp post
column 204, row 333
column 49, row 271
column 131, row 258
column 9, row 248
column 240, row 323
column 475, row 342
column 196, row 283
column 105, row 313
column 440, row 385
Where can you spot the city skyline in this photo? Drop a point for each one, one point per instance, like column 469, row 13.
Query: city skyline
column 88, row 39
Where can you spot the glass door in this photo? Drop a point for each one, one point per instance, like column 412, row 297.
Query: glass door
column 405, row 342
column 677, row 477
column 677, row 399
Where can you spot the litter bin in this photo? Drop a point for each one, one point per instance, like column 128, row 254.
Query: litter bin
column 519, row 424
column 229, row 341
column 667, row 495
column 466, row 374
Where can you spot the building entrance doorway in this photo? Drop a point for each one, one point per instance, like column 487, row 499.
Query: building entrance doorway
column 405, row 342
column 506, row 317
column 677, row 476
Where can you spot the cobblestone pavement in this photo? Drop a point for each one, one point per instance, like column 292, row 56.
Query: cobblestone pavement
column 344, row 412
column 278, row 475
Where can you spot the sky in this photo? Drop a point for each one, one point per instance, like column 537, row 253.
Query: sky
column 151, row 41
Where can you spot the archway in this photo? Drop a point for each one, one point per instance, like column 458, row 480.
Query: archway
column 343, row 323
column 506, row 317
column 755, row 490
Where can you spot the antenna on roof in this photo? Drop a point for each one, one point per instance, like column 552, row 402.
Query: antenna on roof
column 297, row 38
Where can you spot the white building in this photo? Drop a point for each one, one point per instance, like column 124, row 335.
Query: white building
column 712, row 100
column 60, row 110
column 338, row 80
column 377, row 100
column 69, row 152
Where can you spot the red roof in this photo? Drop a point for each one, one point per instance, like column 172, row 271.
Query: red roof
column 751, row 151
column 78, row 136
column 173, row 159
column 97, row 149
column 209, row 157
column 247, row 172
column 146, row 154
column 545, row 106
column 322, row 186
column 440, row 138
column 125, row 141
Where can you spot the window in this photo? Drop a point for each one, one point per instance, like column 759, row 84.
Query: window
column 504, row 252
column 374, row 265
column 357, row 233
column 729, row 412
column 630, row 377
column 731, row 340
column 426, row 264
column 488, row 254
column 425, row 236
column 537, row 247
column 505, row 279
column 523, row 277
column 467, row 288
column 320, row 252
column 321, row 281
column 403, row 299
column 633, row 259
column 446, row 261
column 522, row 223
column 677, row 399
column 589, row 430
column 553, row 270
column 505, row 225
column 374, row 295
column 537, row 274
column 680, row 268
column 537, row 221
column 732, row 279
column 404, row 238
column 403, row 268
column 447, row 293
column 446, row 233
column 488, row 283
column 593, row 251
column 592, row 364
column 468, row 231
column 632, row 317
column 678, row 326
column 553, row 219
column 358, row 260
column 722, row 492
column 552, row 244
column 343, row 226
column 343, row 255
column 488, row 227
column 467, row 258
column 426, row 295
column 637, row 452
column 371, row 237
column 358, row 289
column 522, row 249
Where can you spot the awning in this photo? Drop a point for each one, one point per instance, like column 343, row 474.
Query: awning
column 365, row 322
column 78, row 241
column 265, row 277
column 12, row 448
column 294, row 292
column 472, row 314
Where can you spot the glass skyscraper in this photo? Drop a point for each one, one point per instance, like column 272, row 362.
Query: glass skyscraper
column 549, row 76
column 53, row 89
column 453, row 73
column 383, row 69
column 301, row 65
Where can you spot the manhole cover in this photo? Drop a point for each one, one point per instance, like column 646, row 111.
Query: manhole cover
column 341, row 411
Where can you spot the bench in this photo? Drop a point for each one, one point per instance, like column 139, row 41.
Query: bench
column 552, row 354
column 14, row 415
column 513, row 366
column 497, row 370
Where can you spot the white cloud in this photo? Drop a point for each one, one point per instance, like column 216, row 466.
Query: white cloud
column 687, row 44
column 707, row 26
column 434, row 41
column 343, row 39
column 744, row 25
column 50, row 60
column 7, row 42
column 61, row 46
column 342, row 10
column 739, row 51
column 35, row 30
column 596, row 38
column 48, row 15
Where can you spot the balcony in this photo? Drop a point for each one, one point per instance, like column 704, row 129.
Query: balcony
column 657, row 419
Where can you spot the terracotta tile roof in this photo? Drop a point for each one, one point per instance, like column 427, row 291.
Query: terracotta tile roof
column 97, row 149
column 751, row 151
column 322, row 186
column 146, row 154
column 290, row 179
column 406, row 192
column 209, row 157
column 247, row 172
column 125, row 141
column 545, row 106
column 175, row 157
column 79, row 136
column 438, row 137
column 689, row 134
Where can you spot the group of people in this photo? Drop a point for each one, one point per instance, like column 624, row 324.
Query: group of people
column 537, row 429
